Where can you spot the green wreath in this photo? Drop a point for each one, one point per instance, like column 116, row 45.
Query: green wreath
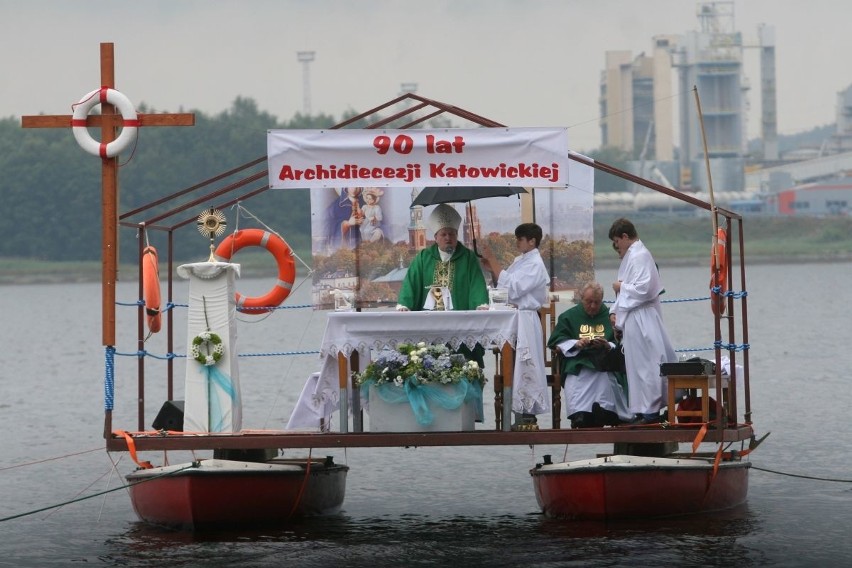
column 214, row 348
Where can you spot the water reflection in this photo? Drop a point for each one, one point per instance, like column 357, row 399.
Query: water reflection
column 426, row 539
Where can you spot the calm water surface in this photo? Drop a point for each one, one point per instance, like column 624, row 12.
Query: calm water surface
column 426, row 506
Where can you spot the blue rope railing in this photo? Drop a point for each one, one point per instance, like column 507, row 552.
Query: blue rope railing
column 277, row 353
column 721, row 345
column 730, row 346
column 167, row 356
column 715, row 290
column 109, row 378
column 172, row 305
column 701, row 299
column 293, row 307
column 728, row 294
column 140, row 354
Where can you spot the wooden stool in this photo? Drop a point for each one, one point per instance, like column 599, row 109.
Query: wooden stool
column 701, row 382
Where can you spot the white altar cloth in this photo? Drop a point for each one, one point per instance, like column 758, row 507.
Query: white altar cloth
column 348, row 332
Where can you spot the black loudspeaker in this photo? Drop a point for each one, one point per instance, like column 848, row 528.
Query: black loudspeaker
column 170, row 416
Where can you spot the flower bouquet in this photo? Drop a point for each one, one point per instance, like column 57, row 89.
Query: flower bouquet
column 430, row 378
column 425, row 363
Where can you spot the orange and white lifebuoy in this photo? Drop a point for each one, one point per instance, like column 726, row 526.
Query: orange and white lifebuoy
column 719, row 276
column 283, row 256
column 130, row 122
column 151, row 287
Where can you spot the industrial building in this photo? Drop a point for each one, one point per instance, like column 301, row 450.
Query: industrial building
column 637, row 97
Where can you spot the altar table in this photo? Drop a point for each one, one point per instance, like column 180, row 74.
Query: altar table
column 350, row 336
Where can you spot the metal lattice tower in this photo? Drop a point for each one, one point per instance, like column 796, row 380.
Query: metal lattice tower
column 305, row 57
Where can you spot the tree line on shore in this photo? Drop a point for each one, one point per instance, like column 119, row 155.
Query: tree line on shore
column 51, row 189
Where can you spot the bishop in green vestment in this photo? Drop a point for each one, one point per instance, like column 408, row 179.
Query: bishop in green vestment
column 445, row 275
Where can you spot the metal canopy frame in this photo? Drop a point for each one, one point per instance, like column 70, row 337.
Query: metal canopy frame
column 415, row 111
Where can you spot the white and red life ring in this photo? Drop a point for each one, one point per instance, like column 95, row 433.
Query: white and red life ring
column 129, row 125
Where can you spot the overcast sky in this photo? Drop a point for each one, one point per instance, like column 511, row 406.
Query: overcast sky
column 519, row 62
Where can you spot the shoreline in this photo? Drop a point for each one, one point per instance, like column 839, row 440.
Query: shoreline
column 24, row 278
column 752, row 260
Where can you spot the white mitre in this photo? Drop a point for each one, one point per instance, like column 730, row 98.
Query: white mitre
column 443, row 217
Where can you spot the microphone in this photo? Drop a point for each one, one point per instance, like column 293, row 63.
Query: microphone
column 449, row 250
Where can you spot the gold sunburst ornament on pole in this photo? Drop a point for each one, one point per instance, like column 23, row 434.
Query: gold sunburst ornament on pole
column 211, row 223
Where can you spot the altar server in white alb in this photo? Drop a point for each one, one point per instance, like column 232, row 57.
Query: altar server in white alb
column 527, row 282
column 639, row 317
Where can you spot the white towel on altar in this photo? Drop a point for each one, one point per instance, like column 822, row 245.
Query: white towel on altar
column 315, row 405
column 430, row 302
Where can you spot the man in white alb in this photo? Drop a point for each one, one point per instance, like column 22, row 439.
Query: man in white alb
column 638, row 315
column 527, row 282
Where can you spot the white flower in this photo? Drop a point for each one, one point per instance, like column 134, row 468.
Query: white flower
column 212, row 345
column 398, row 381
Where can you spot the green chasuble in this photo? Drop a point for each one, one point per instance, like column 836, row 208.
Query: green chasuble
column 467, row 284
column 575, row 323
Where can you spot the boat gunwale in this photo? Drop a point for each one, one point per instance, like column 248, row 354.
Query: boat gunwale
column 632, row 464
column 245, row 469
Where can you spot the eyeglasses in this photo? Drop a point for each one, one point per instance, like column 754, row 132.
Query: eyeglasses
column 614, row 245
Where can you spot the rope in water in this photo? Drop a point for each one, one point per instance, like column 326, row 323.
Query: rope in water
column 51, row 459
column 98, row 494
column 801, row 476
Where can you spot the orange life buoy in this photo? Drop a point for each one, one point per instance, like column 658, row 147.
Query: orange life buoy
column 283, row 256
column 719, row 277
column 151, row 287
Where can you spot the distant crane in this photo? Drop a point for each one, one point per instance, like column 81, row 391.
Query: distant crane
column 659, row 177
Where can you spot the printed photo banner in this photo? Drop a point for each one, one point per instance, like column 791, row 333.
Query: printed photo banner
column 526, row 157
column 363, row 238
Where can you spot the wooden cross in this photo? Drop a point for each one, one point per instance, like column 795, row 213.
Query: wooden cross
column 109, row 122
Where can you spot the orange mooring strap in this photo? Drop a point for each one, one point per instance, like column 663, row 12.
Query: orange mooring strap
column 699, row 438
column 716, row 463
column 131, row 447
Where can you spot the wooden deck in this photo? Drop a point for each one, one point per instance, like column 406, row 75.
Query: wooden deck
column 148, row 441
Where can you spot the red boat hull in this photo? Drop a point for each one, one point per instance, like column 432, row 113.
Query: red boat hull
column 625, row 487
column 214, row 493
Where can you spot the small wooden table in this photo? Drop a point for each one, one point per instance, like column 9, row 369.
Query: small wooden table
column 701, row 382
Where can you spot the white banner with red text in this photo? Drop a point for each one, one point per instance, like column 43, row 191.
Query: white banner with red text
column 526, row 157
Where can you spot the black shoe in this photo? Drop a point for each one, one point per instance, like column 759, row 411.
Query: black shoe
column 603, row 417
column 582, row 420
